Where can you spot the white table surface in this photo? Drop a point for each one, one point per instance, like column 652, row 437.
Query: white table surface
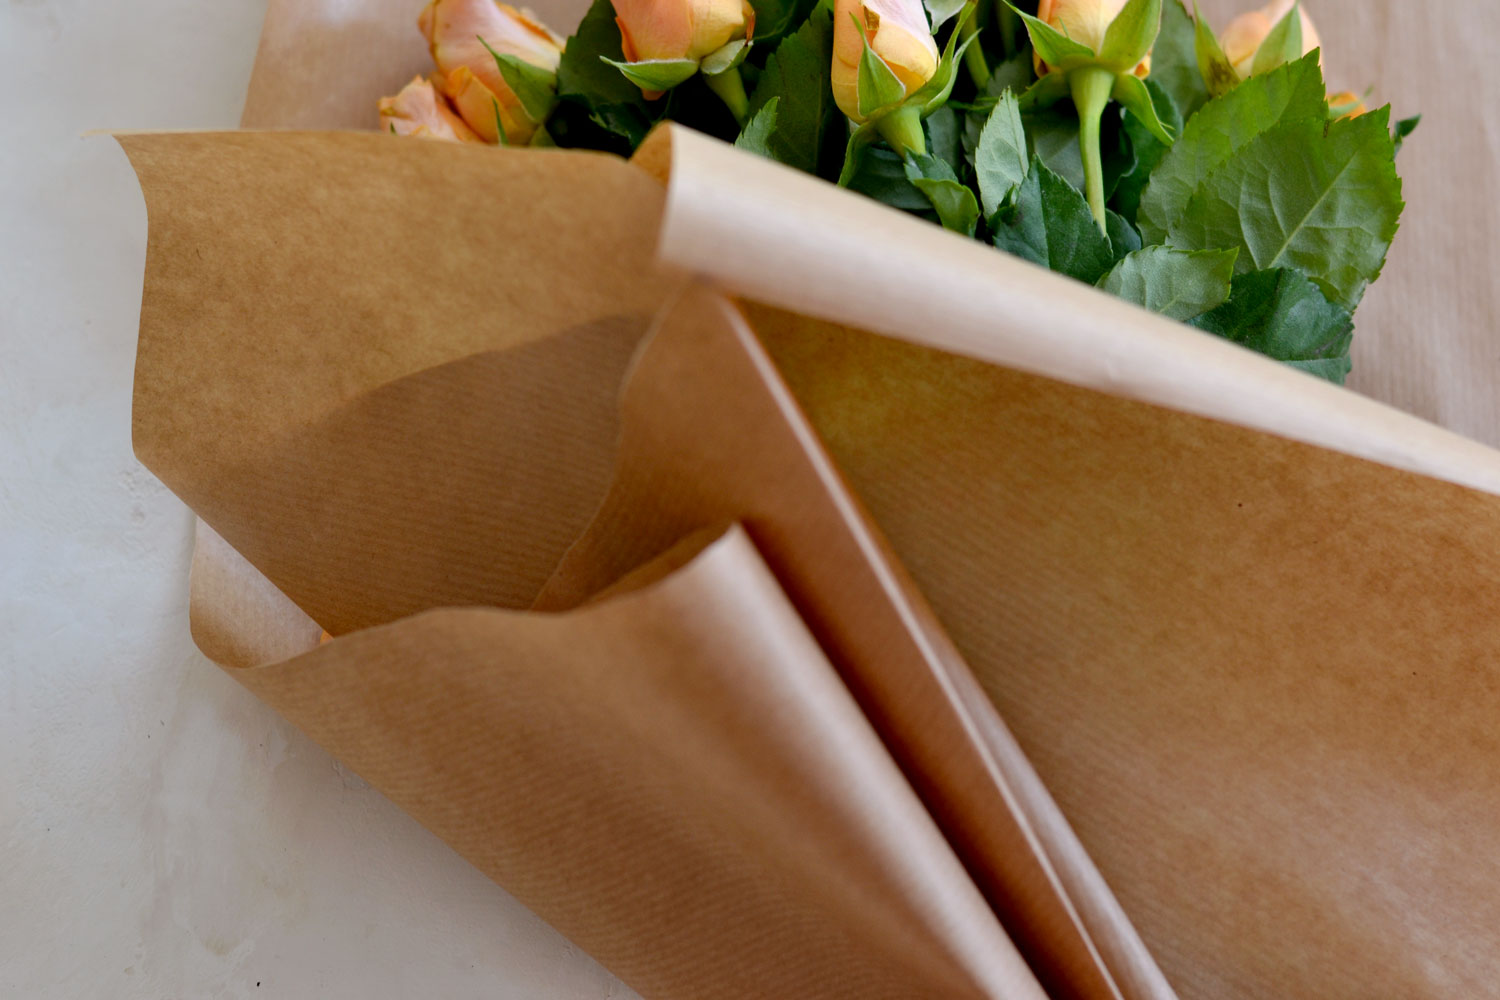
column 163, row 834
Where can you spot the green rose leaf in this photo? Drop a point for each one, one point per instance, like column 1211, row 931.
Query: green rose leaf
column 1000, row 160
column 1049, row 223
column 954, row 203
column 1284, row 316
column 796, row 76
column 944, row 138
column 756, row 137
column 1404, row 128
column 877, row 172
column 1123, row 239
column 1293, row 197
column 1174, row 283
column 655, row 74
column 1282, row 45
column 1174, row 60
column 1220, row 130
column 1129, row 36
column 775, row 19
column 612, row 102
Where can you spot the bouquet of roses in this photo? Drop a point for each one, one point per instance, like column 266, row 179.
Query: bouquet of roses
column 785, row 595
column 1121, row 143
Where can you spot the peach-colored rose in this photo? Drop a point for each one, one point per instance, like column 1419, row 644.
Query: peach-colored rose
column 1085, row 22
column 897, row 32
column 419, row 110
column 454, row 29
column 1243, row 38
column 680, row 29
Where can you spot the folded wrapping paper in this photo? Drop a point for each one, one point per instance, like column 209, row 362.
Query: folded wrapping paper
column 1253, row 673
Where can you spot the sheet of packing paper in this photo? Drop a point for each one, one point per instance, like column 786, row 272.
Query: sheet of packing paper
column 1176, row 948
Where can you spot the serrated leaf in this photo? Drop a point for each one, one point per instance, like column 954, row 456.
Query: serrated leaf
column 774, row 19
column 1293, row 197
column 1014, row 74
column 1045, row 92
column 1284, row 316
column 1131, row 91
column 943, row 137
column 611, row 101
column 1055, row 48
column 1123, row 239
column 655, row 74
column 1000, row 160
column 1218, row 73
column 1174, row 283
column 534, row 87
column 954, row 203
column 1404, row 128
column 797, row 75
column 1281, row 45
column 1050, row 224
column 1174, row 60
column 1129, row 36
column 879, row 173
column 1219, row 130
column 756, row 136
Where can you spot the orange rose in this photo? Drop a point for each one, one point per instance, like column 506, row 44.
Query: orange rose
column 897, row 32
column 1085, row 22
column 458, row 32
column 419, row 110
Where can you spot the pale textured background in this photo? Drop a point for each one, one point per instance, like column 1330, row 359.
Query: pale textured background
column 161, row 833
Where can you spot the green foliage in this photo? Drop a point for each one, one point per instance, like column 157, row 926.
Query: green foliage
column 879, row 87
column 583, row 77
column 1327, row 205
column 1283, row 315
column 534, row 87
column 1049, row 223
column 774, row 19
column 956, row 207
column 1220, row 130
column 796, row 77
column 1175, row 283
column 1000, row 160
column 756, row 138
column 1174, row 61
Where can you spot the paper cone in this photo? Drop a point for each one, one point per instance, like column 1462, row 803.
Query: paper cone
column 1242, row 635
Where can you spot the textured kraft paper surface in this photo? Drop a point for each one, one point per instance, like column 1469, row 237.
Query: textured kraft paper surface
column 1255, row 675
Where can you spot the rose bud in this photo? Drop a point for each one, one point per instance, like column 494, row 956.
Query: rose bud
column 462, row 34
column 419, row 110
column 1243, row 38
column 896, row 31
column 1085, row 22
column 653, row 30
